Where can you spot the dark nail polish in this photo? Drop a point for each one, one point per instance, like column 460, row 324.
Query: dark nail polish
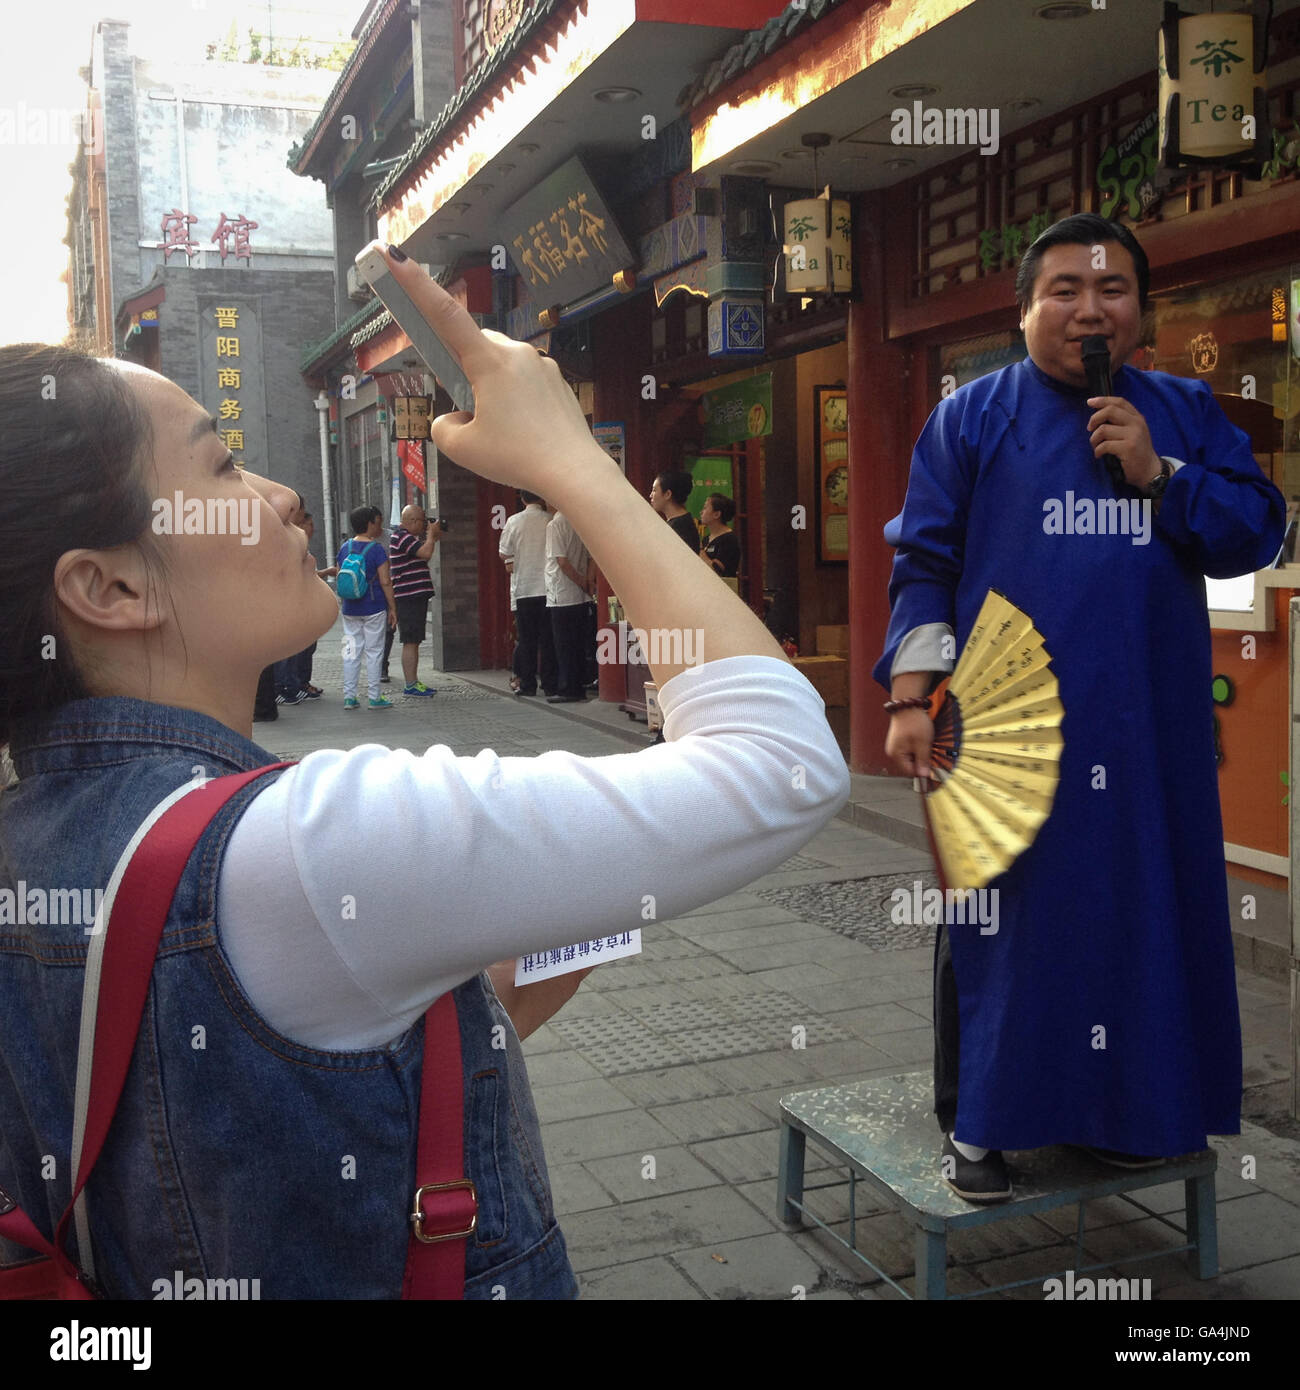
column 396, row 254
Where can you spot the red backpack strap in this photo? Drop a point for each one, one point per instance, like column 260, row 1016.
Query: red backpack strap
column 444, row 1211
column 154, row 863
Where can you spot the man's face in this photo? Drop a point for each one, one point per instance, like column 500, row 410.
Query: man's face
column 657, row 497
column 1081, row 291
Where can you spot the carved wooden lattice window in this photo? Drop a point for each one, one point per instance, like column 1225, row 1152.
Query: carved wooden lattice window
column 471, row 23
column 975, row 215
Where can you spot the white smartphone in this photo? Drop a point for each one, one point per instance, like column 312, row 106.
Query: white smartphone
column 374, row 270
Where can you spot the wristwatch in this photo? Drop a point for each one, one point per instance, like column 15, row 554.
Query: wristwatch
column 1155, row 489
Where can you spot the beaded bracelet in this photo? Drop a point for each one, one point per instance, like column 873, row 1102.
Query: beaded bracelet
column 912, row 702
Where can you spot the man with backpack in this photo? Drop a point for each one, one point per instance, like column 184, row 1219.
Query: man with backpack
column 366, row 592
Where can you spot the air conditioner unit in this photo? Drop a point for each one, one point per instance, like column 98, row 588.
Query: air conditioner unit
column 358, row 288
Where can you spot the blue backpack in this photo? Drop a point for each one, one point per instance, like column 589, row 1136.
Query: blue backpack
column 353, row 582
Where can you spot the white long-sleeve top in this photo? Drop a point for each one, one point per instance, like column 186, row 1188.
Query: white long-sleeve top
column 360, row 886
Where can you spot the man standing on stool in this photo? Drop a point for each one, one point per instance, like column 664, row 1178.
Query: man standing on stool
column 1102, row 1012
column 409, row 550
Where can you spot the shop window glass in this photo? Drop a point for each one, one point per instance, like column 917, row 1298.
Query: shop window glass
column 1242, row 337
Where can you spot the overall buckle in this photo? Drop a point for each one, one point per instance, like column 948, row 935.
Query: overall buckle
column 457, row 1212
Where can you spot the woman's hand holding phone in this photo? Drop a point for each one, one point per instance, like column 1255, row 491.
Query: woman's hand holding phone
column 528, row 429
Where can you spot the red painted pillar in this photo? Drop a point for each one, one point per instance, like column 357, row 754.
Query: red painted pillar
column 621, row 352
column 494, row 619
column 880, row 448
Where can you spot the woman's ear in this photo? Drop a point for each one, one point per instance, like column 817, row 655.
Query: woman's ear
column 106, row 589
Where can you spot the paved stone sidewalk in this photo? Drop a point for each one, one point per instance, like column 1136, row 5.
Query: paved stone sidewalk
column 658, row 1084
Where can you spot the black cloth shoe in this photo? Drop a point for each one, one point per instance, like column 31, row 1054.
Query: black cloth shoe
column 565, row 699
column 985, row 1181
column 1115, row 1159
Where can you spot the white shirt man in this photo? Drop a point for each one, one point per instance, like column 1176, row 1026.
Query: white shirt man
column 570, row 578
column 523, row 549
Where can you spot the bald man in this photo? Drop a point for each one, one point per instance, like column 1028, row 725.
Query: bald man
column 410, row 548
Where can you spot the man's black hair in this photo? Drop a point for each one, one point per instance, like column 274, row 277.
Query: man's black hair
column 677, row 482
column 1083, row 229
column 360, row 518
column 529, row 496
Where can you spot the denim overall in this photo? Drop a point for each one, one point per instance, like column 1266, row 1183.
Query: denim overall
column 236, row 1154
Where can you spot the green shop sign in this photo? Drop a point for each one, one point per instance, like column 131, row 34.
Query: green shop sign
column 732, row 414
column 998, row 245
column 1126, row 171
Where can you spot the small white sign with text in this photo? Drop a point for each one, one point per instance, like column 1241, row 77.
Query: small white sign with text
column 544, row 965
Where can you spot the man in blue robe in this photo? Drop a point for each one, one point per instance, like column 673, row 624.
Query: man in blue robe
column 1103, row 1011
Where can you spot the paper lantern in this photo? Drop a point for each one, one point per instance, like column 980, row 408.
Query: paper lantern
column 1212, row 97
column 818, row 246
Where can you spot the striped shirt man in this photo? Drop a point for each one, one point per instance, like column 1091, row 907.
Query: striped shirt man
column 410, row 574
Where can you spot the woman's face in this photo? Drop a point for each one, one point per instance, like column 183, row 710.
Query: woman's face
column 241, row 584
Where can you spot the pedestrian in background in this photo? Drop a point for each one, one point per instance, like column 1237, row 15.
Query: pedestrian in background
column 722, row 550
column 668, row 497
column 570, row 578
column 364, row 618
column 290, row 688
column 523, row 548
column 305, row 656
column 410, row 549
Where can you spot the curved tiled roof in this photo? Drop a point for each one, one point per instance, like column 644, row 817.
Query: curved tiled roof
column 753, row 48
column 313, row 352
column 741, row 56
column 300, row 153
column 488, row 72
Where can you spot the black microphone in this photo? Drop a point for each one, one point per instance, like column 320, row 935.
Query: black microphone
column 1096, row 363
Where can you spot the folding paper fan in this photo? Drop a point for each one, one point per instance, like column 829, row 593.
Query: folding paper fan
column 997, row 748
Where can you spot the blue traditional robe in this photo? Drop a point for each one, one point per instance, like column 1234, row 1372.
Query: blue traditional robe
column 1104, row 1010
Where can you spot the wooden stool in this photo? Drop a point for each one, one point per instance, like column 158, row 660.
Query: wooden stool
column 883, row 1131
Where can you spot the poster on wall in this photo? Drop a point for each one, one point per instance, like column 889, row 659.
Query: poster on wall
column 612, row 437
column 831, row 452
